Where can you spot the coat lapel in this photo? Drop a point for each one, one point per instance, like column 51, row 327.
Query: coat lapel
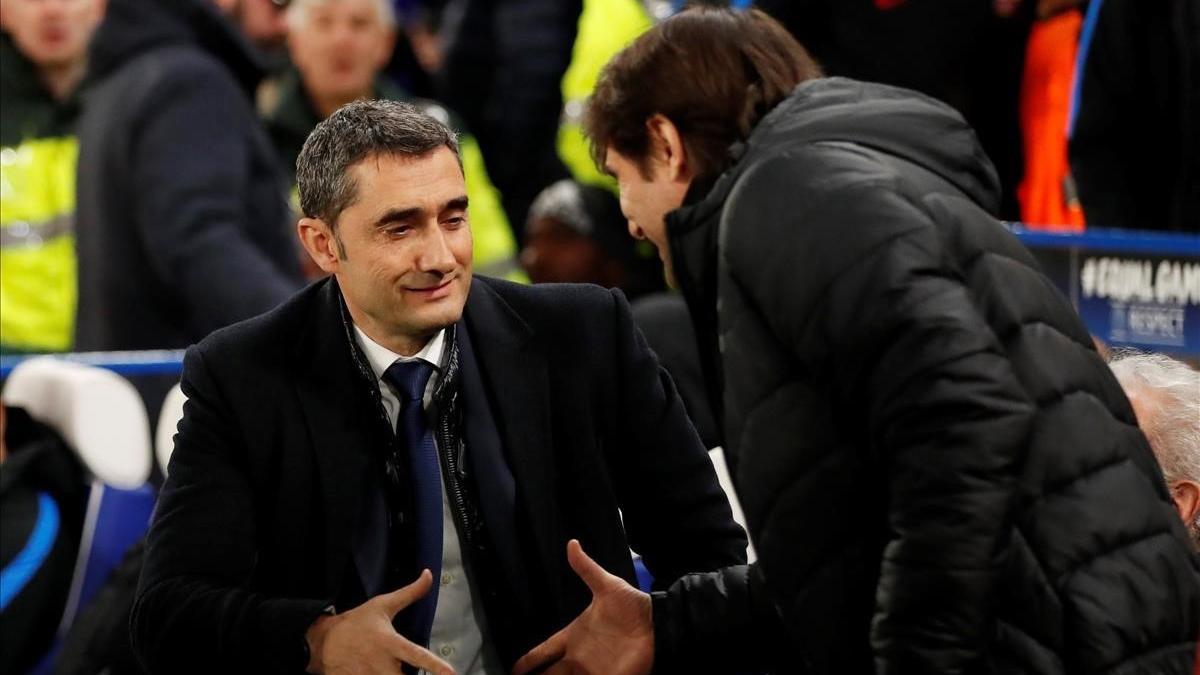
column 339, row 407
column 515, row 375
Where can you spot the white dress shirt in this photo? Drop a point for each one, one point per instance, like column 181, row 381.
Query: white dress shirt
column 457, row 635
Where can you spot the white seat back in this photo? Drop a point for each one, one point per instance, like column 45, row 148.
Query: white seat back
column 168, row 421
column 97, row 412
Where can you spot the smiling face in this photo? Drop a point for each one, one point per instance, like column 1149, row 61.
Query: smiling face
column 339, row 46
column 401, row 251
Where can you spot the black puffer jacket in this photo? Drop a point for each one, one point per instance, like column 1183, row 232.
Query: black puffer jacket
column 939, row 472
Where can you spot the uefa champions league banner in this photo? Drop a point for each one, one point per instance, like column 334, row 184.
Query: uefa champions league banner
column 1147, row 301
column 1138, row 290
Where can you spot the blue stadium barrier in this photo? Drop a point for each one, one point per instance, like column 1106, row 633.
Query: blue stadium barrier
column 1133, row 289
column 129, row 364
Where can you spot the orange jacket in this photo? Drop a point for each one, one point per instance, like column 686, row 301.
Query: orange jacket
column 1047, row 195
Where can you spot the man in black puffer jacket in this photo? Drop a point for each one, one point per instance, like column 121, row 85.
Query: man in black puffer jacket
column 939, row 473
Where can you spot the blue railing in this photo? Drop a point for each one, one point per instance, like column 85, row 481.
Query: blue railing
column 1120, row 241
column 129, row 364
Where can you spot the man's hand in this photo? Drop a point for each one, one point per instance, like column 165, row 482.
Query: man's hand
column 362, row 641
column 613, row 636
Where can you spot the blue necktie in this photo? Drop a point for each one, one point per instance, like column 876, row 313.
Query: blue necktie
column 409, row 378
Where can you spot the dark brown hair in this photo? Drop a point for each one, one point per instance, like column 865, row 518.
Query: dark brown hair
column 713, row 72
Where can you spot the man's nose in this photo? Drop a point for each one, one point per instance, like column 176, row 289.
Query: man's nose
column 436, row 255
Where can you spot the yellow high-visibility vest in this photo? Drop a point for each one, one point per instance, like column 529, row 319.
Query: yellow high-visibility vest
column 38, row 279
column 605, row 28
column 495, row 247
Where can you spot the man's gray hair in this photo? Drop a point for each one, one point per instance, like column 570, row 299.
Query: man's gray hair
column 1168, row 394
column 356, row 131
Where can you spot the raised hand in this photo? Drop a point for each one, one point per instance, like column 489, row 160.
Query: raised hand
column 613, row 636
column 362, row 641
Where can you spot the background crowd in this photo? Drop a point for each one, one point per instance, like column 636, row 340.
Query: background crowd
column 148, row 160
column 149, row 147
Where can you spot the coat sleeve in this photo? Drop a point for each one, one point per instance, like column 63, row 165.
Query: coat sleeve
column 854, row 279
column 192, row 613
column 676, row 515
column 194, row 166
column 717, row 622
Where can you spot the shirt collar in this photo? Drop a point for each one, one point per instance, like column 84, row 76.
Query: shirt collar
column 380, row 357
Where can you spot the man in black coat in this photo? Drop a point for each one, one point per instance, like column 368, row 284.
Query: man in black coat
column 293, row 512
column 938, row 471
column 182, row 220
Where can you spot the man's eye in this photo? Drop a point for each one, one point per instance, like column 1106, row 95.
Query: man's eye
column 456, row 221
column 398, row 231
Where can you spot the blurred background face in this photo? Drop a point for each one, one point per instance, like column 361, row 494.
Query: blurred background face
column 339, row 45
column 555, row 252
column 51, row 33
column 261, row 21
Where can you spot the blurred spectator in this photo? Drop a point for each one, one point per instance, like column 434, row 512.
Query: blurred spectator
column 339, row 48
column 506, row 65
column 605, row 28
column 263, row 24
column 502, row 70
column 43, row 51
column 182, row 220
column 1048, row 196
column 418, row 52
column 42, row 501
column 968, row 53
column 1166, row 398
column 1135, row 129
column 576, row 234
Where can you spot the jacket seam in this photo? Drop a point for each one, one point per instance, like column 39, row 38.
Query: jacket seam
column 1066, row 577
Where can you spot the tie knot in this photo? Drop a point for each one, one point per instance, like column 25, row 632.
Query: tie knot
column 409, row 378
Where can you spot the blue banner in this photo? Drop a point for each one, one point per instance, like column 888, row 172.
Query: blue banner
column 1142, row 296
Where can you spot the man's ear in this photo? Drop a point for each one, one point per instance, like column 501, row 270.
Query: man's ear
column 666, row 147
column 322, row 245
column 1186, row 494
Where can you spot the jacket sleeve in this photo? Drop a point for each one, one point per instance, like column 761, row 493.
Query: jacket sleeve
column 716, row 622
column 676, row 515
column 192, row 613
column 193, row 162
column 856, row 281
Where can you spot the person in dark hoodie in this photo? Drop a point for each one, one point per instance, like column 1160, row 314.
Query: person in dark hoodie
column 939, row 473
column 182, row 222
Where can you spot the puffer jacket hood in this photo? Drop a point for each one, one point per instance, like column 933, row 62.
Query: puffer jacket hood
column 896, row 121
column 133, row 27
